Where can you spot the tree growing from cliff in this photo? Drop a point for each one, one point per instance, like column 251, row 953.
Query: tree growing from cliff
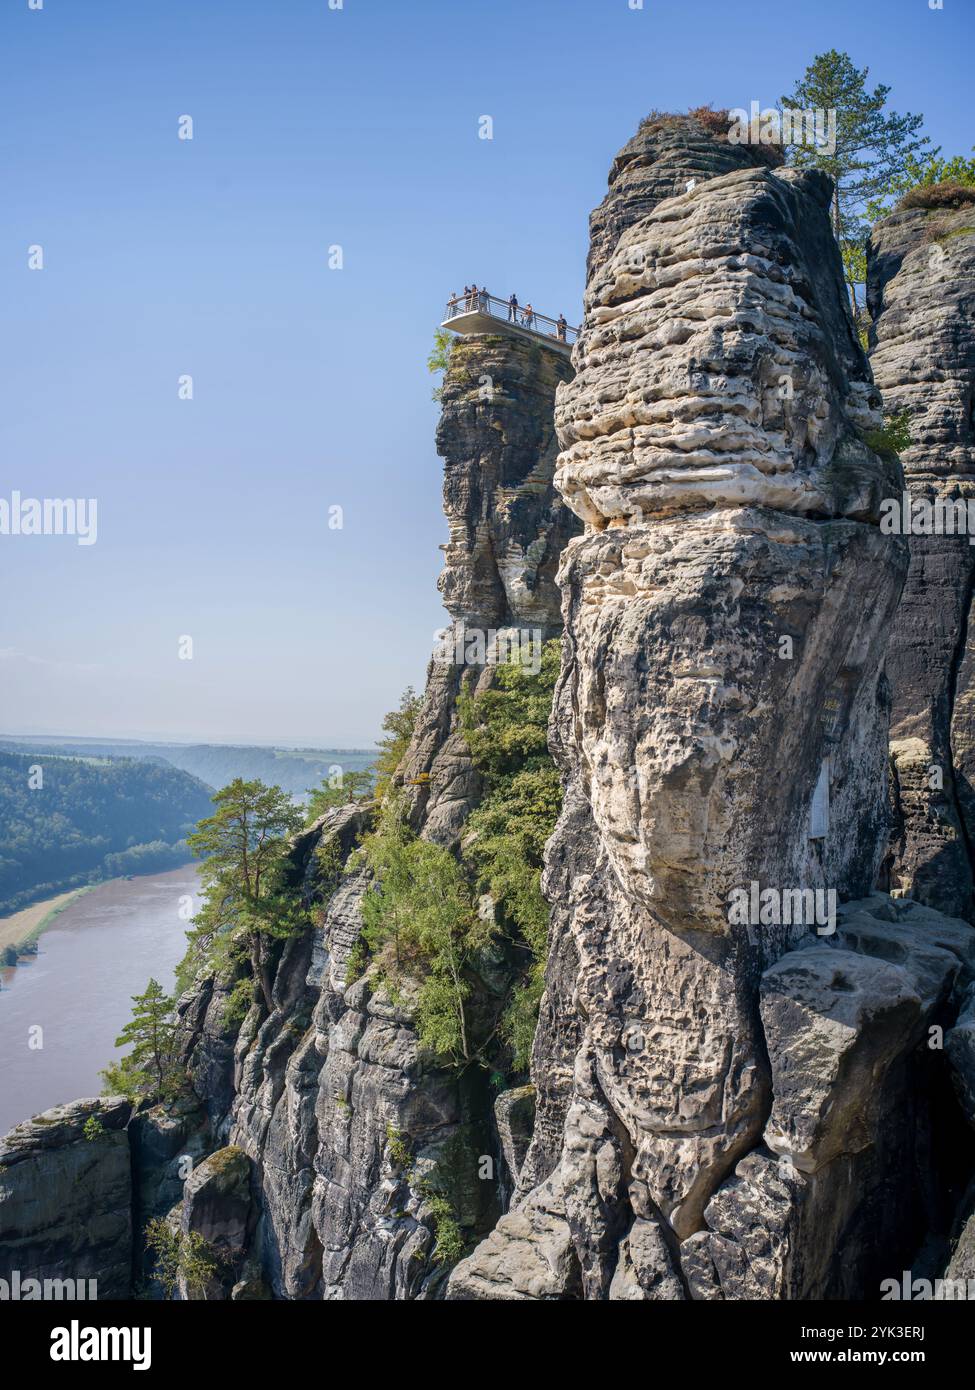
column 247, row 901
column 149, row 1068
column 439, row 359
column 419, row 919
column 398, row 730
column 189, row 1257
column 343, row 791
column 873, row 147
column 506, row 728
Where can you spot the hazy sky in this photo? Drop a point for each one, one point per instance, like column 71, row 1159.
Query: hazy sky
column 312, row 127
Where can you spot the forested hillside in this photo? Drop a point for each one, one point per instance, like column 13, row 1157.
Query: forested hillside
column 75, row 822
column 295, row 770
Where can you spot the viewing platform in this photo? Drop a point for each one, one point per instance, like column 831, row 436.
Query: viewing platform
column 483, row 313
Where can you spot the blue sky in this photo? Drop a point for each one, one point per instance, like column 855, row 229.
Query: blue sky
column 312, row 128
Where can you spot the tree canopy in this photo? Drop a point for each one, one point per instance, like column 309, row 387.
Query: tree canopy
column 244, row 847
column 874, row 147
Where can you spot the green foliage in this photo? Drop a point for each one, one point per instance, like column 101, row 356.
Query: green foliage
column 398, row 728
column 419, row 917
column 247, row 899
column 238, row 1003
column 449, row 1238
column 149, row 1069
column 176, row 1254
column 165, row 1246
column 93, row 1128
column 854, row 256
column 917, row 175
column 439, row 359
column 89, row 821
column 198, row 1262
column 520, row 1021
column 894, row 437
column 874, row 146
column 216, row 765
column 357, row 961
column 338, row 789
column 328, row 864
column 450, row 1242
column 506, row 729
column 398, row 1148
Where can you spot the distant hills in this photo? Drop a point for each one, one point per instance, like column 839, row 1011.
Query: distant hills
column 79, row 821
column 109, row 807
column 295, row 770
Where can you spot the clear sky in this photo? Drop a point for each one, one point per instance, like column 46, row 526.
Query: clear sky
column 312, row 127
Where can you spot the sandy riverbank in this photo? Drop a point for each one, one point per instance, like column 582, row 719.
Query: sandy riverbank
column 25, row 926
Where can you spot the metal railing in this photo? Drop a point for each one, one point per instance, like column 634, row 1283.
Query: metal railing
column 522, row 315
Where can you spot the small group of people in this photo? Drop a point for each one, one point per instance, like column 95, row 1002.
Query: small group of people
column 473, row 300
column 528, row 318
column 527, row 314
column 477, row 300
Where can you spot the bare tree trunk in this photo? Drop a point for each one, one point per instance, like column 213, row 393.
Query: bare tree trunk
column 837, row 230
column 260, row 968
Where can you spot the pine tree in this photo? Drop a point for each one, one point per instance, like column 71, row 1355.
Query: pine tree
column 353, row 786
column 873, row 147
column 148, row 1068
column 244, row 846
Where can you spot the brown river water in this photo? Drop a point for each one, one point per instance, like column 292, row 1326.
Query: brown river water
column 101, row 950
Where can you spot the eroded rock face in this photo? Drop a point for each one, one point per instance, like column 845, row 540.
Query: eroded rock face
column 921, row 294
column 714, row 444
column 717, row 365
column 856, row 1169
column 66, row 1200
column 664, row 156
column 507, row 529
column 328, row 1093
column 724, row 1104
column 507, row 526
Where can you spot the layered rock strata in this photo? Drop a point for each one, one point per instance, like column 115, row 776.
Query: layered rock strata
column 921, row 295
column 721, row 721
column 507, row 530
column 66, row 1202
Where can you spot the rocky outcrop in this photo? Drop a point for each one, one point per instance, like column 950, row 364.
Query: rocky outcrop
column 721, row 722
column 921, row 295
column 753, row 1073
column 217, row 1207
column 826, row 1208
column 66, row 1200
column 506, row 524
column 507, row 529
column 352, row 1131
column 665, row 155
